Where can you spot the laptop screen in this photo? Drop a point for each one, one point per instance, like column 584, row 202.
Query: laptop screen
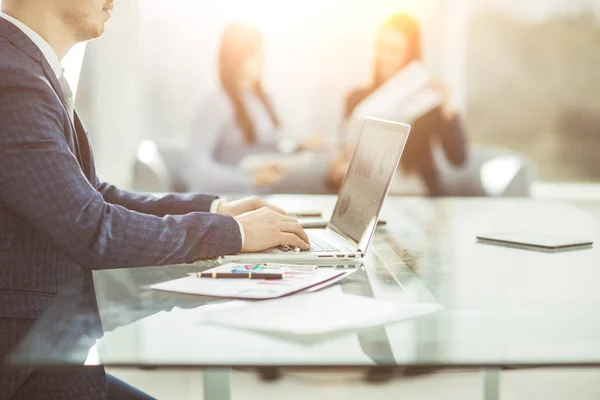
column 370, row 173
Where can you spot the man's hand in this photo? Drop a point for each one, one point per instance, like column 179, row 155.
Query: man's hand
column 265, row 228
column 239, row 207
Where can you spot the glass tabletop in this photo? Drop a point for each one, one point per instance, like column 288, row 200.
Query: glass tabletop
column 501, row 306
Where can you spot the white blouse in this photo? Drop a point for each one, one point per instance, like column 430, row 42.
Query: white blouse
column 217, row 144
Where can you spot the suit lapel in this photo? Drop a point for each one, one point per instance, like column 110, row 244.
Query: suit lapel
column 22, row 42
column 73, row 132
column 51, row 77
column 85, row 151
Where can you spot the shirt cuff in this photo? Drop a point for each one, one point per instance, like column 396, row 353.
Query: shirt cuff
column 214, row 206
column 242, row 233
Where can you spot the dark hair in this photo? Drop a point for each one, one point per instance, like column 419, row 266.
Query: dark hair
column 409, row 27
column 240, row 41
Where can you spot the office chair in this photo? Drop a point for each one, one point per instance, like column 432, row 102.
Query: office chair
column 150, row 171
column 489, row 172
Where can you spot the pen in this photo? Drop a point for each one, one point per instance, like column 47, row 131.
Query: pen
column 305, row 214
column 237, row 275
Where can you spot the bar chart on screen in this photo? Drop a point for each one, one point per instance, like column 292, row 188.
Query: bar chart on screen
column 364, row 164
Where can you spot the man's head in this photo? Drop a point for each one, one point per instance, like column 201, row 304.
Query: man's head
column 82, row 20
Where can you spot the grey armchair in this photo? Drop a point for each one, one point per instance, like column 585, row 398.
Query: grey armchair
column 489, row 171
column 158, row 169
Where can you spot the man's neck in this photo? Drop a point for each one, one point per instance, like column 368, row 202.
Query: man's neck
column 46, row 24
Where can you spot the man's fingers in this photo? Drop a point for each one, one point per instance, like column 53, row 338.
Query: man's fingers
column 292, row 240
column 295, row 228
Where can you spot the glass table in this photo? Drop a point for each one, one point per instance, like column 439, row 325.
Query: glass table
column 502, row 307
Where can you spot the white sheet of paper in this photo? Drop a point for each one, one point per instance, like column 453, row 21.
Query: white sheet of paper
column 294, row 281
column 403, row 98
column 178, row 334
column 406, row 94
column 316, row 313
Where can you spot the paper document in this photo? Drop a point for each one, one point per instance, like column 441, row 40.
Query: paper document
column 317, row 313
column 403, row 98
column 295, row 280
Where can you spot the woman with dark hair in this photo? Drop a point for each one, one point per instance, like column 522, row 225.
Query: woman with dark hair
column 236, row 121
column 402, row 89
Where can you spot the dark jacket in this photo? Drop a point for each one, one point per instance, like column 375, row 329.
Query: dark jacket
column 58, row 219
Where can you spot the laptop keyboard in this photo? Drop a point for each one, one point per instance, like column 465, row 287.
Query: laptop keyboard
column 317, row 245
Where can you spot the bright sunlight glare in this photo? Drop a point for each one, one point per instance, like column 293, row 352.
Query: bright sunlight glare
column 273, row 14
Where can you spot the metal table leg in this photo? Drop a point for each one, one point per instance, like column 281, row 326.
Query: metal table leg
column 217, row 384
column 491, row 383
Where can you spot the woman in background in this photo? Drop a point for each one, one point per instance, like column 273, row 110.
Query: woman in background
column 399, row 47
column 237, row 120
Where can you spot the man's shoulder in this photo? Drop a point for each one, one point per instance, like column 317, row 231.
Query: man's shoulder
column 25, row 90
column 17, row 67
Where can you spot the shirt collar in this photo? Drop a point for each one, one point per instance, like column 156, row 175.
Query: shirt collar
column 44, row 47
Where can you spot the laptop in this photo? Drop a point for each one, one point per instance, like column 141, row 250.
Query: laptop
column 360, row 198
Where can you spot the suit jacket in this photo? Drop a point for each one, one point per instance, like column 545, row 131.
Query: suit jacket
column 57, row 218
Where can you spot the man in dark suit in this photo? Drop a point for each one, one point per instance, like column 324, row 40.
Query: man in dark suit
column 58, row 219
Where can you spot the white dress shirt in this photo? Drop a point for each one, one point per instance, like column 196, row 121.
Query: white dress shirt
column 54, row 62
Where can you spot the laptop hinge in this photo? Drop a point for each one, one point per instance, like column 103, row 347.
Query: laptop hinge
column 347, row 242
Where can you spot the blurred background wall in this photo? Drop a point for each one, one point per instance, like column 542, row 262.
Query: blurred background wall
column 533, row 83
column 523, row 73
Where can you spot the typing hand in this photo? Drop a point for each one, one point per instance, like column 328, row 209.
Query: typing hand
column 239, row 207
column 265, row 228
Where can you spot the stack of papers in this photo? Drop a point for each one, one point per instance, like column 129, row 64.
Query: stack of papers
column 295, row 280
column 317, row 313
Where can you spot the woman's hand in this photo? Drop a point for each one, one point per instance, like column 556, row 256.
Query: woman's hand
column 268, row 175
column 338, row 167
column 447, row 109
column 316, row 142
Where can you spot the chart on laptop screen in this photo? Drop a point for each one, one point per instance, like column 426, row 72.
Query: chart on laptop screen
column 372, row 168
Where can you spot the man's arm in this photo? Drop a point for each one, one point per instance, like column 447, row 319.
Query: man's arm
column 41, row 180
column 174, row 204
column 170, row 204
